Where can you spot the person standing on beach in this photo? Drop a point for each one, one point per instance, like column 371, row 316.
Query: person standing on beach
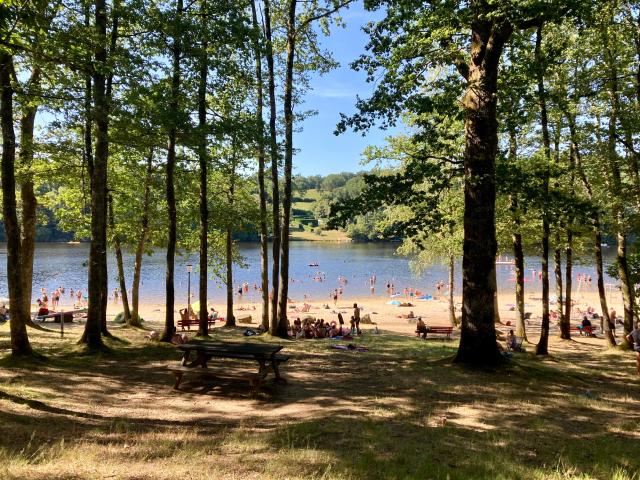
column 355, row 320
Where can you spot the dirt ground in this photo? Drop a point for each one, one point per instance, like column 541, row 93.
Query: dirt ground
column 400, row 410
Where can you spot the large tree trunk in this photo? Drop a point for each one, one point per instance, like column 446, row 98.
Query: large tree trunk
column 203, row 327
column 288, row 165
column 120, row 263
column 98, row 249
column 264, row 231
column 169, row 325
column 19, row 339
column 144, row 232
column 542, row 346
column 275, row 191
column 478, row 338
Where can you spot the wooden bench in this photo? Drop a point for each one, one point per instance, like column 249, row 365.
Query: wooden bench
column 255, row 379
column 188, row 322
column 587, row 331
column 439, row 330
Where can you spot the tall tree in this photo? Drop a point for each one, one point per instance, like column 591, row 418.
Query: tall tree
column 542, row 346
column 19, row 340
column 203, row 161
column 98, row 173
column 273, row 152
column 176, row 53
column 264, row 230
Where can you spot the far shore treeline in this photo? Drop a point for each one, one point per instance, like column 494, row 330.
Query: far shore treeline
column 312, row 197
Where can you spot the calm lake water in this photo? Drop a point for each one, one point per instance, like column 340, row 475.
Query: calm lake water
column 66, row 265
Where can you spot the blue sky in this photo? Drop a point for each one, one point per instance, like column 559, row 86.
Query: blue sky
column 320, row 151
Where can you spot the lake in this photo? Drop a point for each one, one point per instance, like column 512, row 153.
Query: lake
column 66, row 265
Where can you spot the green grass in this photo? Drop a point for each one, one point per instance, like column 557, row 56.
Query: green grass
column 400, row 411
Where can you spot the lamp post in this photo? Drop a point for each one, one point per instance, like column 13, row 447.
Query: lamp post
column 189, row 269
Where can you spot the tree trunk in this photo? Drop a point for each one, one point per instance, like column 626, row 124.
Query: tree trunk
column 169, row 325
column 615, row 178
column 203, row 328
column 478, row 338
column 288, row 166
column 452, row 304
column 542, row 346
column 557, row 263
column 565, row 330
column 518, row 258
column 273, row 151
column 264, row 231
column 144, row 232
column 19, row 339
column 98, row 249
column 119, row 261
column 518, row 255
column 597, row 233
column 29, row 201
column 231, row 320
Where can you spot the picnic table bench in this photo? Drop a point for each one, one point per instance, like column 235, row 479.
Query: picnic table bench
column 188, row 322
column 266, row 355
column 589, row 331
column 439, row 330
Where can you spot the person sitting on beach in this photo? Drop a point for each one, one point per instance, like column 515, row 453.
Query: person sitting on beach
column 634, row 337
column 4, row 313
column 512, row 343
column 297, row 328
column 178, row 339
column 410, row 314
column 421, row 328
column 42, row 308
column 334, row 331
column 213, row 315
column 355, row 320
column 585, row 322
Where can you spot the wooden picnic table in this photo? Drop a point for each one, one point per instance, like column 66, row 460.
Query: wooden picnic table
column 59, row 316
column 266, row 355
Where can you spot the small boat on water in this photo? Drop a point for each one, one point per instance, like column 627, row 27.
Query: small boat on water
column 314, row 264
column 73, row 242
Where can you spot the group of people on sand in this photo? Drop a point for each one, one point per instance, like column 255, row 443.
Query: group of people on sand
column 318, row 328
column 51, row 302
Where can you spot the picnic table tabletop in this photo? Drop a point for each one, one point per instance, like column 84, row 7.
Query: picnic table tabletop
column 222, row 348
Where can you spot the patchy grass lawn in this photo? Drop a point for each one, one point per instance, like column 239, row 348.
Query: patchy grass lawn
column 400, row 411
